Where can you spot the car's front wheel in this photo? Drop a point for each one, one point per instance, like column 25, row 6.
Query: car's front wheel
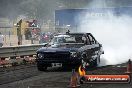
column 85, row 64
column 41, row 67
column 90, row 64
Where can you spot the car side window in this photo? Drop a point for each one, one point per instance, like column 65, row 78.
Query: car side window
column 85, row 39
column 91, row 39
column 88, row 40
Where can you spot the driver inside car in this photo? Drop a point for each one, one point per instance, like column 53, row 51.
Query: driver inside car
column 84, row 40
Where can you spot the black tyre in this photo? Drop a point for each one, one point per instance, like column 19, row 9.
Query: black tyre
column 85, row 64
column 41, row 67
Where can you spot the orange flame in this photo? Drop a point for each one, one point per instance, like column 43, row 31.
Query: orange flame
column 81, row 71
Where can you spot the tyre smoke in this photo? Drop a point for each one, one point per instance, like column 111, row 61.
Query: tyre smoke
column 113, row 32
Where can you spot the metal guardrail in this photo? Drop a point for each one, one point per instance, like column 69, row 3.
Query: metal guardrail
column 21, row 50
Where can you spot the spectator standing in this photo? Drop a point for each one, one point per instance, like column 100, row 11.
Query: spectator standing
column 1, row 40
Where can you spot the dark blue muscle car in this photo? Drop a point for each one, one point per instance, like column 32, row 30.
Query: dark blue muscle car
column 70, row 50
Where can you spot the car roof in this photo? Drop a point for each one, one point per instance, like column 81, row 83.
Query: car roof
column 67, row 34
column 72, row 33
column 77, row 33
column 62, row 35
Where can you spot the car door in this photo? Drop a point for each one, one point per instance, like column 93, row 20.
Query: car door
column 93, row 52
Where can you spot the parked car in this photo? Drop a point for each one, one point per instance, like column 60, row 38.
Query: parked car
column 70, row 50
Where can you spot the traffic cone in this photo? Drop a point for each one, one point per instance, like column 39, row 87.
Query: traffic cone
column 74, row 80
column 129, row 66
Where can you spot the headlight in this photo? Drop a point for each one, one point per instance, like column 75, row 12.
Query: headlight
column 40, row 55
column 73, row 54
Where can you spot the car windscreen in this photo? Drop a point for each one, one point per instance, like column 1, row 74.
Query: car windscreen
column 67, row 39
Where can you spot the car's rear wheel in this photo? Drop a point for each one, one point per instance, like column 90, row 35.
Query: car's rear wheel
column 41, row 67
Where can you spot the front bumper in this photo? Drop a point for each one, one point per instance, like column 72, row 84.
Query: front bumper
column 59, row 60
column 57, row 57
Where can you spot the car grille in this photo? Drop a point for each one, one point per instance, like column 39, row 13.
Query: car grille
column 56, row 55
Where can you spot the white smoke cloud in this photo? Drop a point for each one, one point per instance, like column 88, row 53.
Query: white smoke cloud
column 113, row 32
